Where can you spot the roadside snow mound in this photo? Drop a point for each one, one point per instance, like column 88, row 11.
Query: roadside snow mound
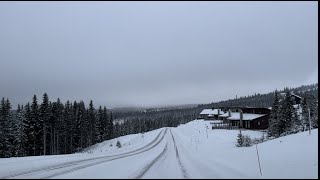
column 128, row 142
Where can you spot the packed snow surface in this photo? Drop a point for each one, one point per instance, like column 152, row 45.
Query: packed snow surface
column 192, row 150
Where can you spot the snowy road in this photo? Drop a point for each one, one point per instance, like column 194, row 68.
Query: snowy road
column 61, row 169
column 160, row 157
column 183, row 152
column 167, row 164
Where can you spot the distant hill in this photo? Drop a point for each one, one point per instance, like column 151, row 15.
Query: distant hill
column 191, row 112
column 263, row 100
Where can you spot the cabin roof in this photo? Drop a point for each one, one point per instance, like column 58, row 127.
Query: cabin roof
column 246, row 116
column 211, row 111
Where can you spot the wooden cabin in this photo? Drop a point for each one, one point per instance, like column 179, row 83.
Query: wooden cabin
column 251, row 117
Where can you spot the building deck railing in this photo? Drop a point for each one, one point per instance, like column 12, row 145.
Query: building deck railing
column 223, row 126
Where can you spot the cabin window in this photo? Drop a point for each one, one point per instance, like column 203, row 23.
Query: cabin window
column 259, row 123
column 248, row 124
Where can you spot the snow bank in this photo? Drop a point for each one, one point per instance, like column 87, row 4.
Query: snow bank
column 216, row 156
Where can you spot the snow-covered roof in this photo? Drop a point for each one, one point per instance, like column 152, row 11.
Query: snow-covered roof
column 226, row 114
column 211, row 111
column 297, row 96
column 246, row 116
column 296, row 106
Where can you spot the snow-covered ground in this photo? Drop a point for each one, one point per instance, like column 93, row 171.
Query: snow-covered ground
column 188, row 151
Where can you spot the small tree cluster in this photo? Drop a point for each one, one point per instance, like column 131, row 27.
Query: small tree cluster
column 243, row 140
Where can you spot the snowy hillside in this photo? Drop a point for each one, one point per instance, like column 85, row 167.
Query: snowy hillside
column 188, row 151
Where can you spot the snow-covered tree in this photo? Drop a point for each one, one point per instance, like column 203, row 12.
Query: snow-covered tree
column 100, row 125
column 119, row 144
column 6, row 139
column 92, row 124
column 18, row 135
column 240, row 140
column 273, row 129
column 44, row 116
column 105, row 125
column 286, row 114
column 313, row 111
column 36, row 127
column 305, row 113
column 27, row 131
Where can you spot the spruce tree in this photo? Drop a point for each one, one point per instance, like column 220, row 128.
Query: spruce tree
column 59, row 127
column 27, row 131
column 44, row 122
column 77, row 129
column 100, row 125
column 240, row 140
column 92, row 124
column 313, row 111
column 286, row 114
column 105, row 119
column 82, row 119
column 110, row 127
column 2, row 127
column 273, row 129
column 305, row 113
column 19, row 135
column 6, row 129
column 36, row 127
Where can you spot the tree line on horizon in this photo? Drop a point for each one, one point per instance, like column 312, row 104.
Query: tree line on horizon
column 264, row 100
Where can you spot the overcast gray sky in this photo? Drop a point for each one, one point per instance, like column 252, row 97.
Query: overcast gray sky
column 155, row 53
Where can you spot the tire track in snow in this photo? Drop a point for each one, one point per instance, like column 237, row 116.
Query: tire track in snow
column 183, row 170
column 79, row 162
column 103, row 161
column 220, row 167
column 149, row 165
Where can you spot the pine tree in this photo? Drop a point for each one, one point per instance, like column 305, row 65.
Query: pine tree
column 36, row 127
column 118, row 144
column 44, row 121
column 92, row 124
column 313, row 110
column 6, row 129
column 100, row 125
column 71, row 128
column 305, row 114
column 10, row 131
column 240, row 140
column 286, row 114
column 27, row 131
column 105, row 125
column 82, row 122
column 273, row 129
column 296, row 122
column 59, row 127
column 19, row 136
column 2, row 127
column 65, row 128
column 110, row 127
column 77, row 129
